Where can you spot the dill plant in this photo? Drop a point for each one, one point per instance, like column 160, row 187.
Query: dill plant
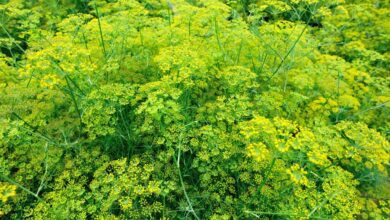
column 200, row 109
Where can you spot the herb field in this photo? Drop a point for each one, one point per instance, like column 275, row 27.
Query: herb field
column 194, row 109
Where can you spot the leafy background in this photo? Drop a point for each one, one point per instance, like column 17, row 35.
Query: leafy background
column 199, row 109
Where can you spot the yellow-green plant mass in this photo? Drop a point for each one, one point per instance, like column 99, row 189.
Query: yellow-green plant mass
column 194, row 109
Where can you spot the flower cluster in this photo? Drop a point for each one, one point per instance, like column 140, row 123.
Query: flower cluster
column 204, row 109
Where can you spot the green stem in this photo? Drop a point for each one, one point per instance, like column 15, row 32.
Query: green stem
column 20, row 186
column 101, row 32
column 267, row 172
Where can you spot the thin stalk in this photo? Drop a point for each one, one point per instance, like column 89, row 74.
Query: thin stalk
column 189, row 27
column 288, row 53
column 130, row 148
column 239, row 51
column 286, row 80
column 66, row 75
column 75, row 101
column 191, row 209
column 259, row 214
column 171, row 13
column 34, row 130
column 10, row 37
column 86, row 45
column 267, row 172
column 263, row 63
column 338, row 96
column 322, row 204
column 372, row 108
column 255, row 31
column 184, row 189
column 45, row 174
column 216, row 31
column 293, row 46
column 101, row 32
column 29, row 80
column 20, row 186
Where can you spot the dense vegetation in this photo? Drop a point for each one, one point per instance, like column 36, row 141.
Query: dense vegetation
column 198, row 109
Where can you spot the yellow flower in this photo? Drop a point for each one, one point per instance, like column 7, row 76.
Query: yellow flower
column 317, row 157
column 126, row 203
column 6, row 191
column 349, row 101
column 258, row 151
column 297, row 175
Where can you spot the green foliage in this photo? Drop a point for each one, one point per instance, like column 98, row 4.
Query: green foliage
column 200, row 109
